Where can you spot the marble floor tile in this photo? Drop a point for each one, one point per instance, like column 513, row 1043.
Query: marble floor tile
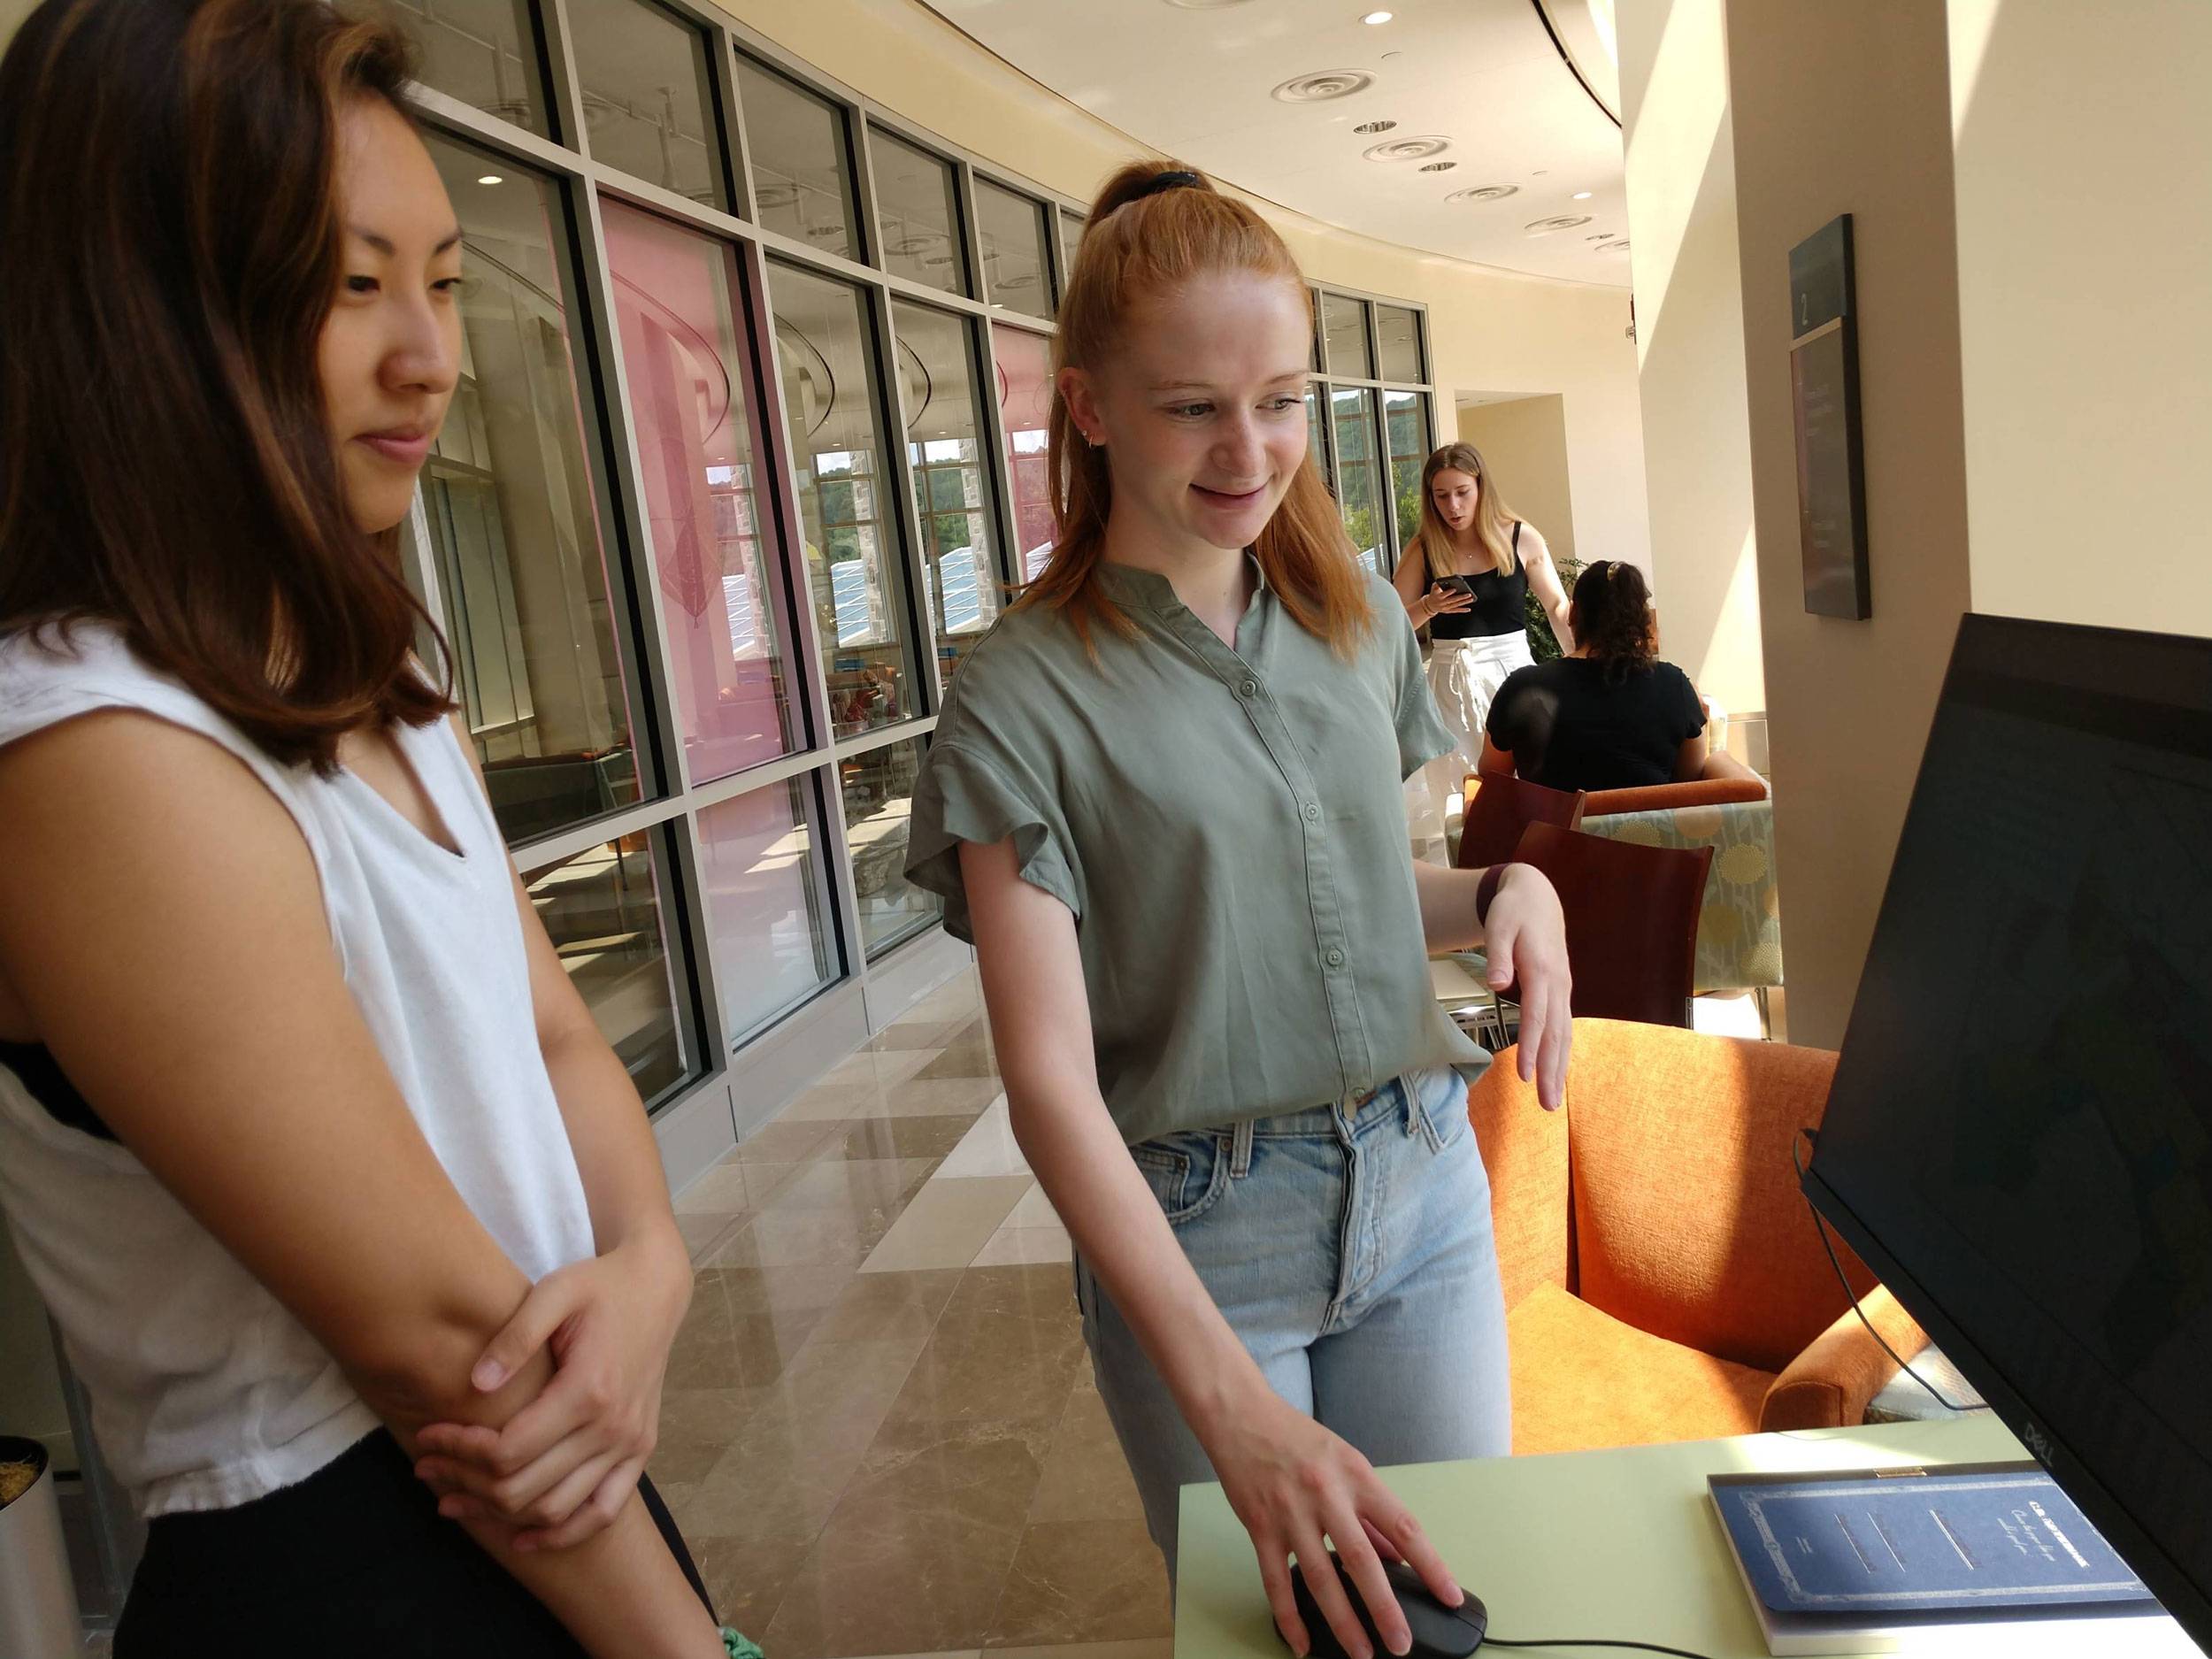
column 1076, row 1581
column 902, row 1137
column 721, row 1187
column 696, row 1427
column 717, row 1347
column 988, row 1148
column 1011, row 1246
column 1006, row 1350
column 1034, row 1210
column 801, row 1237
column 1085, row 1477
column 835, row 1103
column 969, row 1053
column 916, row 1033
column 859, row 1188
column 931, row 1533
column 946, row 1224
column 885, row 1068
column 703, row 1231
column 798, row 1287
column 888, row 1307
column 786, row 1140
column 746, row 1580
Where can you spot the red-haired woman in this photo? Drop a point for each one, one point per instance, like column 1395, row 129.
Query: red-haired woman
column 304, row 1136
column 1163, row 802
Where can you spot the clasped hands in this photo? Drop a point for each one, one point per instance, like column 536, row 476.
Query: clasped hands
column 563, row 1466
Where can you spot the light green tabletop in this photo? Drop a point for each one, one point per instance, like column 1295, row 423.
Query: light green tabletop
column 1621, row 1543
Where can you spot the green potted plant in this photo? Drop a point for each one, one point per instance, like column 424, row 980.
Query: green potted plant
column 38, row 1603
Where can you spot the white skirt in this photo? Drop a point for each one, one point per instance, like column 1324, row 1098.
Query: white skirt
column 1463, row 676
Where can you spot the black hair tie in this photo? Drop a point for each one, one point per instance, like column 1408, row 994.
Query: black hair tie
column 1175, row 179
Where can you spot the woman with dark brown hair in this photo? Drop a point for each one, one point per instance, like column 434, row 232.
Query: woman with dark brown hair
column 350, row 1218
column 1609, row 715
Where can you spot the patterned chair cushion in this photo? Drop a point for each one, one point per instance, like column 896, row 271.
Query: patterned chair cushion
column 1739, row 934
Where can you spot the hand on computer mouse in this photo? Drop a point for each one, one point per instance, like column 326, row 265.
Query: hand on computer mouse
column 1295, row 1484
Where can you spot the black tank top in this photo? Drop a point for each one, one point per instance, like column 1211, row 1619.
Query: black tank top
column 1500, row 602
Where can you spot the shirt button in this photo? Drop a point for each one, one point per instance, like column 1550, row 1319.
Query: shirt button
column 1335, row 957
column 1311, row 812
column 1250, row 688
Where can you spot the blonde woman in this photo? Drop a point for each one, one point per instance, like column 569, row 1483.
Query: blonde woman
column 1466, row 575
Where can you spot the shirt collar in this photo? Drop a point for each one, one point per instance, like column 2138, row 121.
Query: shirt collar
column 1129, row 583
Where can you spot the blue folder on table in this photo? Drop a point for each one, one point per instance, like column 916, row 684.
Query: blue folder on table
column 1963, row 1537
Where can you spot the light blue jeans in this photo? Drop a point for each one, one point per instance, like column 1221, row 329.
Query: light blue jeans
column 1349, row 1247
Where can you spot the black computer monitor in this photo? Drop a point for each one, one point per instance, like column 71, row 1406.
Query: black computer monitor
column 2019, row 1139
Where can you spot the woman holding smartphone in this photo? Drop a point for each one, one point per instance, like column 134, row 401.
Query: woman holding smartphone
column 1466, row 576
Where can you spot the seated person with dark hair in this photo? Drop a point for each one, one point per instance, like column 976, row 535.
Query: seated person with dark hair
column 1610, row 716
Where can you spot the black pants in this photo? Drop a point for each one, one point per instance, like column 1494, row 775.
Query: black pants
column 354, row 1560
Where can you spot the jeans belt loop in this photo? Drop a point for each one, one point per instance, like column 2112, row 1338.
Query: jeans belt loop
column 1412, row 1098
column 1240, row 1150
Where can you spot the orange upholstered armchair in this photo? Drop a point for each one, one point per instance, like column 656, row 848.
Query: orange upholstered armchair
column 1662, row 1277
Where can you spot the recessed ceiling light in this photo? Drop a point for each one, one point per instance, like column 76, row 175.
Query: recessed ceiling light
column 1584, row 195
column 1438, row 167
column 1485, row 193
column 1374, row 127
column 1407, row 148
column 491, row 178
column 1562, row 222
column 1321, row 87
column 1377, row 17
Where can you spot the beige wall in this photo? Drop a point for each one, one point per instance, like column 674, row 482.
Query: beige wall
column 2085, row 259
column 1491, row 331
column 1847, row 108
column 1524, row 443
column 1681, row 172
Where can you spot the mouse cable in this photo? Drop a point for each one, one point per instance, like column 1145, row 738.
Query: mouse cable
column 1820, row 1225
column 1641, row 1646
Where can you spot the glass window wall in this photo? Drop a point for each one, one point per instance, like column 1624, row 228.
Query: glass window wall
column 833, row 414
column 1023, row 363
column 1398, row 333
column 529, row 605
column 952, row 487
column 803, row 169
column 878, row 809
column 919, row 202
column 484, row 52
column 648, row 101
column 1359, row 474
column 1344, row 325
column 693, row 409
column 1317, row 433
column 1013, row 232
column 603, row 907
column 1406, row 419
column 768, row 920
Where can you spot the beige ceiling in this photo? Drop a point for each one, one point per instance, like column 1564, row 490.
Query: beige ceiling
column 1195, row 81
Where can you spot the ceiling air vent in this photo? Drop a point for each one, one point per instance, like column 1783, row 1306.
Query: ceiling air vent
column 1408, row 150
column 1372, row 128
column 1319, row 89
column 1485, row 193
column 1438, row 166
column 1564, row 221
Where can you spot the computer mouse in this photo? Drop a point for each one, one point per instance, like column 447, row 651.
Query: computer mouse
column 1439, row 1632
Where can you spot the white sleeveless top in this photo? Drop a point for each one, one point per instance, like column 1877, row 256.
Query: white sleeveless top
column 206, row 1392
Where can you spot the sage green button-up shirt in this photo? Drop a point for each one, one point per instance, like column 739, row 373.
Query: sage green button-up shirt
column 1229, row 829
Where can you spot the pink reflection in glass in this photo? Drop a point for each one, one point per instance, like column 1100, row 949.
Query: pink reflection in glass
column 765, row 921
column 691, row 402
column 1024, row 362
